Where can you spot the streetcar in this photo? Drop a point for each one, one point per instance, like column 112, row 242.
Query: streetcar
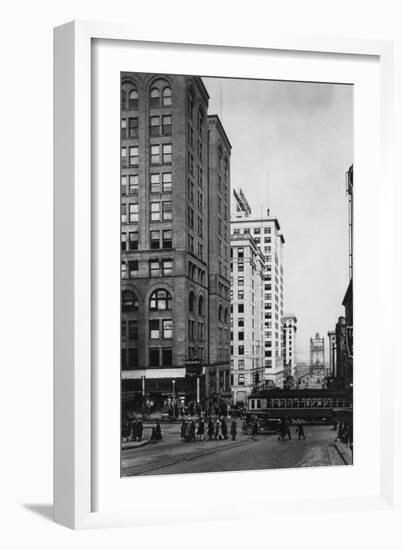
column 311, row 405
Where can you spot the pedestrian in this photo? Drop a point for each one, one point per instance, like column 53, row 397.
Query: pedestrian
column 287, row 427
column 300, row 429
column 255, row 427
column 224, row 428
column 210, row 429
column 158, row 433
column 183, row 430
column 283, row 430
column 200, row 429
column 233, row 429
column 191, row 408
column 217, row 431
column 139, row 430
column 153, row 437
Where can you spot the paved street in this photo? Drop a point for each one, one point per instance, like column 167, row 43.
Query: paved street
column 172, row 456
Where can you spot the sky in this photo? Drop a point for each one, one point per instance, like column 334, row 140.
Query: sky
column 292, row 144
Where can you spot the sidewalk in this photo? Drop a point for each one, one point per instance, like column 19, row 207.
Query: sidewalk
column 345, row 452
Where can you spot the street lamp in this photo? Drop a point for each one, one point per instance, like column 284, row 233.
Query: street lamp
column 173, row 398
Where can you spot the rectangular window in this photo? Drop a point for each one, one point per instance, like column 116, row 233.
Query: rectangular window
column 167, row 267
column 167, row 238
column 154, row 126
column 240, row 281
column 241, row 322
column 155, row 183
column 167, row 182
column 154, row 239
column 190, row 135
column 200, row 151
column 200, row 227
column 133, row 240
column 133, row 268
column 241, row 364
column 124, row 213
column 241, row 379
column 241, row 336
column 155, row 270
column 155, row 211
column 123, row 270
column 133, row 184
column 167, row 153
column 134, row 156
column 190, row 163
column 123, row 332
column 133, row 213
column 155, row 154
column 134, row 127
column 240, row 308
column 123, row 184
column 166, row 357
column 191, row 190
column 167, row 328
column 200, row 177
column 167, row 210
column 190, row 217
column 240, row 294
column 133, row 330
column 200, row 250
column 123, row 127
column 191, row 244
column 123, row 242
column 154, row 329
column 241, row 350
column 154, row 357
column 167, row 125
column 240, row 267
column 133, row 358
column 124, row 156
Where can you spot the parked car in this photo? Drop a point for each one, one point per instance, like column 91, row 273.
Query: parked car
column 265, row 423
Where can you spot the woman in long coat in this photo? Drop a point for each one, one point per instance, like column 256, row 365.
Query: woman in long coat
column 200, row 429
column 210, row 429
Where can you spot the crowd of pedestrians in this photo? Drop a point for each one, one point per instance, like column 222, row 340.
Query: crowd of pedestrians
column 210, row 428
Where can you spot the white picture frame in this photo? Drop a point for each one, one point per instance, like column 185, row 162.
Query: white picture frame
column 76, row 469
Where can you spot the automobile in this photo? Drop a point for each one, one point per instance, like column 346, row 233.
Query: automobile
column 265, row 424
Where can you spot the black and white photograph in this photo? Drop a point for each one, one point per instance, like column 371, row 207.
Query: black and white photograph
column 236, row 274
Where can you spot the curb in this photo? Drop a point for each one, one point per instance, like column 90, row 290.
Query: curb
column 139, row 444
column 341, row 454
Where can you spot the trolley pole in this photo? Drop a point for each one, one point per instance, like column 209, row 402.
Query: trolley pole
column 198, row 389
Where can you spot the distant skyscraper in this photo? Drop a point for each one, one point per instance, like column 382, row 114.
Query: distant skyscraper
column 247, row 317
column 267, row 235
column 289, row 343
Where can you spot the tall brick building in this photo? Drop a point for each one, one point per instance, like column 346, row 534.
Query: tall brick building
column 165, row 269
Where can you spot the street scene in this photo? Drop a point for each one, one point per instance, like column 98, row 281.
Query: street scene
column 236, row 274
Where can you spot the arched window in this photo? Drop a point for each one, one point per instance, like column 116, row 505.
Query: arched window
column 133, row 99
column 201, row 305
column 220, row 313
column 191, row 301
column 129, row 301
column 123, row 100
column 154, row 97
column 160, row 300
column 190, row 103
column 167, row 97
column 226, row 315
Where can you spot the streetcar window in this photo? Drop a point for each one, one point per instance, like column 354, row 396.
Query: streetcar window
column 258, row 404
column 302, row 403
column 252, row 403
column 307, row 403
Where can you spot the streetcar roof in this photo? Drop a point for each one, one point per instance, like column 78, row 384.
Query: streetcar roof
column 277, row 393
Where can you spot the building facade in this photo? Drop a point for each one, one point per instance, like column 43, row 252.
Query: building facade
column 247, row 317
column 165, row 320
column 317, row 354
column 289, row 344
column 218, row 376
column 266, row 233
